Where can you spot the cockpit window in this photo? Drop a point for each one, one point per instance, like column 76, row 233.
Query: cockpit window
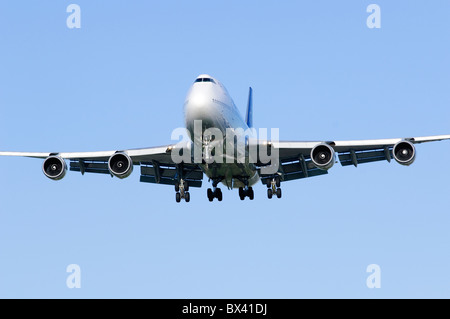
column 205, row 80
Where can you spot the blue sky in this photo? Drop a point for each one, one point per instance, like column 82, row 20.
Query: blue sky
column 318, row 73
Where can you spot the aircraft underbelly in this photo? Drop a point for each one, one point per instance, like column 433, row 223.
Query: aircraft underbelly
column 233, row 174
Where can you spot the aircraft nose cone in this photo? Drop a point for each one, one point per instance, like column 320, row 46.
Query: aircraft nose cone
column 199, row 102
column 197, row 105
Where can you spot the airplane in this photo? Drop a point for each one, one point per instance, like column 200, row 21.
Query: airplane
column 208, row 101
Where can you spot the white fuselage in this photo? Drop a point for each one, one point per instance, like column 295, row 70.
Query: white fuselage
column 208, row 101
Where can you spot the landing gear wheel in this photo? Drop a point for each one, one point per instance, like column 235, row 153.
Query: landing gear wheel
column 269, row 183
column 219, row 194
column 187, row 197
column 186, row 186
column 177, row 187
column 246, row 193
column 210, row 194
column 269, row 193
column 178, row 197
column 279, row 192
column 241, row 193
column 251, row 194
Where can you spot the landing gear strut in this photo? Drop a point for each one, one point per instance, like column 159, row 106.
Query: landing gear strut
column 273, row 187
column 182, row 191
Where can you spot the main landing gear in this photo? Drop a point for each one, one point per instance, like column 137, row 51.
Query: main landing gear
column 273, row 187
column 246, row 192
column 182, row 191
column 215, row 192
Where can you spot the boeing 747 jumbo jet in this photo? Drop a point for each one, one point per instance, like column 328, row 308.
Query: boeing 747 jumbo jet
column 210, row 116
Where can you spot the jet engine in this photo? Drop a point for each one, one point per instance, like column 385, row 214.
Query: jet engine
column 404, row 153
column 54, row 167
column 322, row 156
column 120, row 165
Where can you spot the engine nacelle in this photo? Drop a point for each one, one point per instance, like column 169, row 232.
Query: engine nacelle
column 404, row 153
column 54, row 167
column 120, row 165
column 323, row 156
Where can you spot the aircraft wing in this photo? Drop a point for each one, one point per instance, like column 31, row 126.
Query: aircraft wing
column 295, row 157
column 156, row 164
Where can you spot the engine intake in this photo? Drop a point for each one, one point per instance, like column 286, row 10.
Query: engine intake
column 322, row 156
column 404, row 153
column 120, row 165
column 54, row 167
